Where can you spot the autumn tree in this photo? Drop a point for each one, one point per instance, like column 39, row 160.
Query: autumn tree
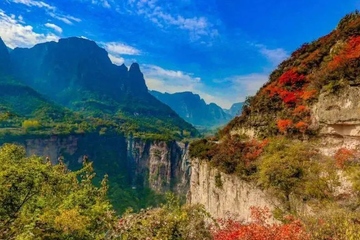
column 169, row 222
column 43, row 201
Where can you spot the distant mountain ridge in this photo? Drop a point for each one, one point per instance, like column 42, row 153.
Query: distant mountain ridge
column 76, row 73
column 193, row 109
column 235, row 109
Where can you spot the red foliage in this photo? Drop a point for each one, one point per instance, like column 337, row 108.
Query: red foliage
column 273, row 89
column 344, row 155
column 284, row 124
column 252, row 150
column 301, row 126
column 288, row 97
column 300, row 109
column 259, row 229
column 350, row 51
column 291, row 77
column 306, row 95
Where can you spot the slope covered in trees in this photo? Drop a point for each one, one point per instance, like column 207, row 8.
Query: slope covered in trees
column 77, row 74
column 282, row 105
column 276, row 144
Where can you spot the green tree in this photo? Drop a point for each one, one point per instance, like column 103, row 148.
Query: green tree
column 171, row 221
column 43, row 201
column 296, row 169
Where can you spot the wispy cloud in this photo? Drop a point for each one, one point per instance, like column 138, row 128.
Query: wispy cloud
column 274, row 56
column 34, row 3
column 103, row 3
column 117, row 49
column 248, row 85
column 197, row 26
column 121, row 48
column 16, row 33
column 50, row 10
column 116, row 59
column 172, row 81
column 64, row 18
column 54, row 27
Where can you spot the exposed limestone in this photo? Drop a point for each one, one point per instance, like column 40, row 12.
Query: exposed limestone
column 227, row 195
column 337, row 118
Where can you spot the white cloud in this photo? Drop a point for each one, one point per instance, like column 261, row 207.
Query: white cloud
column 54, row 27
column 274, row 56
column 34, row 3
column 15, row 33
column 223, row 92
column 197, row 26
column 117, row 48
column 103, row 3
column 172, row 81
column 249, row 84
column 64, row 18
column 116, row 60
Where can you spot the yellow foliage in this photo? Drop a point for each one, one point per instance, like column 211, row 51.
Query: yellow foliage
column 70, row 221
column 31, row 124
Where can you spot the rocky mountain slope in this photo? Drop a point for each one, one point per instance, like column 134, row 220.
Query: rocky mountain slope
column 297, row 140
column 193, row 109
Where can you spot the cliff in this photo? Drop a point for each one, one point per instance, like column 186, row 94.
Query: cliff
column 298, row 138
column 224, row 195
column 162, row 166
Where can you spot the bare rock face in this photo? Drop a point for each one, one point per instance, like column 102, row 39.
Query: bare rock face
column 52, row 147
column 164, row 166
column 337, row 116
column 225, row 195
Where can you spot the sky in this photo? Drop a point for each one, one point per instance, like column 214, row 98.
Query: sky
column 223, row 50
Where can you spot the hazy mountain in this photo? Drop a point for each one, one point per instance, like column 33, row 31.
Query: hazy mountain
column 235, row 109
column 193, row 109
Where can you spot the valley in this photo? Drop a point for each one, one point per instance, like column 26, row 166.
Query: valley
column 88, row 151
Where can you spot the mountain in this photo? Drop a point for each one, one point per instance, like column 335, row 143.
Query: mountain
column 5, row 67
column 235, row 109
column 193, row 109
column 302, row 125
column 289, row 102
column 76, row 73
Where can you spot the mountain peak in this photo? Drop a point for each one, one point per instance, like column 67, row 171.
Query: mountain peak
column 135, row 67
column 136, row 81
column 4, row 58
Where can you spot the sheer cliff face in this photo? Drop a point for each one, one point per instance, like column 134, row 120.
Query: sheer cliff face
column 163, row 166
column 224, row 195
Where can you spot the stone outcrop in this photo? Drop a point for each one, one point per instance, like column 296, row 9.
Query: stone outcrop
column 225, row 195
column 164, row 166
column 336, row 115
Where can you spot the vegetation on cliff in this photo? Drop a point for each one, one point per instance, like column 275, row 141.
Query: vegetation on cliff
column 281, row 154
column 282, row 105
column 43, row 201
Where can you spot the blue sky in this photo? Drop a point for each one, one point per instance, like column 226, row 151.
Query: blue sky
column 223, row 50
